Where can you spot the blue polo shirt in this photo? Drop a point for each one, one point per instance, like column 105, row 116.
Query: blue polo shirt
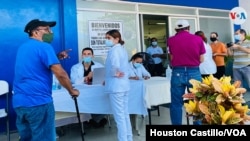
column 32, row 84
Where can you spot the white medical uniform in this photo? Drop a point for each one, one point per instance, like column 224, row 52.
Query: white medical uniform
column 77, row 72
column 117, row 88
column 208, row 66
column 139, row 72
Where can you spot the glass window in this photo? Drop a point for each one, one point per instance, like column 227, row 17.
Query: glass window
column 208, row 25
column 213, row 13
column 129, row 29
column 166, row 9
column 105, row 5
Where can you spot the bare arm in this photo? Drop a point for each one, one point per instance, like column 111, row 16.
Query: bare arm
column 230, row 51
column 201, row 58
column 239, row 47
column 220, row 54
column 64, row 80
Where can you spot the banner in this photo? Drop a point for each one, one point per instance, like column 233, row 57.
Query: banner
column 97, row 31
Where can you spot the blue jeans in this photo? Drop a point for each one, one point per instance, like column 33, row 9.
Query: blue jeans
column 242, row 74
column 36, row 123
column 179, row 84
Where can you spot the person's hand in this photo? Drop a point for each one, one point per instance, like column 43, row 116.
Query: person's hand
column 64, row 54
column 134, row 78
column 74, row 93
column 119, row 74
column 146, row 77
column 156, row 55
column 87, row 80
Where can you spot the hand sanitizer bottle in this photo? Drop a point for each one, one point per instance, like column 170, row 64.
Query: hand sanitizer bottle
column 168, row 73
column 55, row 84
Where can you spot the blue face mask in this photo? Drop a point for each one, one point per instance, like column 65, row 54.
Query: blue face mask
column 237, row 38
column 87, row 59
column 109, row 43
column 137, row 65
column 154, row 43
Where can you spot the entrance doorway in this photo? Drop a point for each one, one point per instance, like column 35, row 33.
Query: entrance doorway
column 154, row 26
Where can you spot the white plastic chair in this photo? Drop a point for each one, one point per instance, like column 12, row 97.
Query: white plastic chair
column 4, row 89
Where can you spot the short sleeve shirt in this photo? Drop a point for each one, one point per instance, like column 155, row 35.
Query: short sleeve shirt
column 33, row 77
column 185, row 49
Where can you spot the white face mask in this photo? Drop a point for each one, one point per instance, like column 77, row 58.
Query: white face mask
column 87, row 59
column 109, row 43
column 154, row 43
column 137, row 65
column 237, row 37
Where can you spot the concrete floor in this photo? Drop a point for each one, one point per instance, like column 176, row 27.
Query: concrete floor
column 72, row 132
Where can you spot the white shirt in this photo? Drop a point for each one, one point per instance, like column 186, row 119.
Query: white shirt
column 139, row 72
column 117, row 60
column 155, row 50
column 208, row 66
column 77, row 72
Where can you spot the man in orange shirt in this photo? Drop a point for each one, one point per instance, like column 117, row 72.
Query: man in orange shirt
column 219, row 52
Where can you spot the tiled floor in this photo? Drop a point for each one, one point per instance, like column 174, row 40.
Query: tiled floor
column 72, row 132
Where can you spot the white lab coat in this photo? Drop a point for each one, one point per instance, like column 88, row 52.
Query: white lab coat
column 77, row 72
column 117, row 60
column 139, row 72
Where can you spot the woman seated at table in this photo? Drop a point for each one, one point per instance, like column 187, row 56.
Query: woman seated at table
column 136, row 70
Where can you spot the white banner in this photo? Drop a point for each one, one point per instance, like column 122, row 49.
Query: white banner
column 97, row 31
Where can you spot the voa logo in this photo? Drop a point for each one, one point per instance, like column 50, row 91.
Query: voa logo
column 238, row 15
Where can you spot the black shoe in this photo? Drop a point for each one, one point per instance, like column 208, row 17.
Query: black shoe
column 93, row 123
column 103, row 122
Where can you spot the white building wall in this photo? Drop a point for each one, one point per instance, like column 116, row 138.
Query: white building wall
column 246, row 4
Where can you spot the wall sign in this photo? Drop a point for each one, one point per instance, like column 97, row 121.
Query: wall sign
column 238, row 15
column 97, row 31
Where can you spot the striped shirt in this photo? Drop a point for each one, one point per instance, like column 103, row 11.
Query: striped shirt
column 241, row 59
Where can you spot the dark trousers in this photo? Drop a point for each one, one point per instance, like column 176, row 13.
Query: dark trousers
column 220, row 72
column 156, row 69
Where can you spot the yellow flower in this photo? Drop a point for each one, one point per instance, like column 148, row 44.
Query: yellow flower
column 218, row 101
column 196, row 86
column 226, row 116
column 208, row 80
column 190, row 106
column 226, row 80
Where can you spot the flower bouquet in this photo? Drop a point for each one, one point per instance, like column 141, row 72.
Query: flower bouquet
column 217, row 101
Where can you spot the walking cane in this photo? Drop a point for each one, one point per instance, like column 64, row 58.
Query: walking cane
column 78, row 116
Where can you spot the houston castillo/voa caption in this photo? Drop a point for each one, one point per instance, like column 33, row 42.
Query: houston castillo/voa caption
column 195, row 132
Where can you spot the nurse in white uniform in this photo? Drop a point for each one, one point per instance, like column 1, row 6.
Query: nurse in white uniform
column 136, row 70
column 117, row 83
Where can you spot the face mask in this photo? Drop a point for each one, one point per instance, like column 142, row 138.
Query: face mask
column 87, row 59
column 213, row 39
column 154, row 43
column 48, row 37
column 109, row 43
column 237, row 37
column 137, row 65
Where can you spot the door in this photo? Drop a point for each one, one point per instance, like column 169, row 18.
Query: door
column 153, row 26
